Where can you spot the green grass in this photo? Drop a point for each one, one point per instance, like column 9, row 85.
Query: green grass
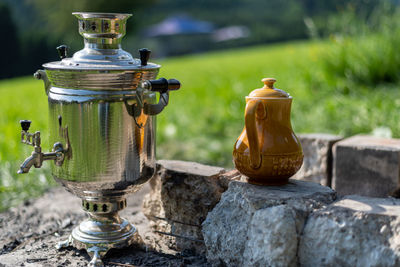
column 21, row 98
column 204, row 118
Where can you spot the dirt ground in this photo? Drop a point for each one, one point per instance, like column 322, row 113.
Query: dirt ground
column 29, row 233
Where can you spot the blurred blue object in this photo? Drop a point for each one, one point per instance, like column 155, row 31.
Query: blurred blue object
column 179, row 25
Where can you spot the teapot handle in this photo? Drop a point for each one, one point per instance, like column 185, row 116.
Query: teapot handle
column 251, row 130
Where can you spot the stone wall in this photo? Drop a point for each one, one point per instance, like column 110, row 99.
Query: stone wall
column 203, row 210
column 367, row 166
column 361, row 165
column 354, row 231
column 181, row 195
column 300, row 224
column 261, row 225
column 277, row 226
column 317, row 162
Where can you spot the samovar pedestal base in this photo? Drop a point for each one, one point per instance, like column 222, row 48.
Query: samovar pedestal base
column 101, row 232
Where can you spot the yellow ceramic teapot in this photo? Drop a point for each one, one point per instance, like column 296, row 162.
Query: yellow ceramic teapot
column 268, row 152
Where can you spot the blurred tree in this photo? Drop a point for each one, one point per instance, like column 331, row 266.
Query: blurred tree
column 328, row 16
column 57, row 20
column 40, row 25
column 9, row 44
column 44, row 24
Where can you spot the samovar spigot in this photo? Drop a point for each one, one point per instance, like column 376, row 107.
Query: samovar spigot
column 37, row 157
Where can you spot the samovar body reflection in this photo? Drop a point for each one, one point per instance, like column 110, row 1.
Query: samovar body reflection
column 102, row 107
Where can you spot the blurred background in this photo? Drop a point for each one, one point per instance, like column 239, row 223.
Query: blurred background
column 339, row 59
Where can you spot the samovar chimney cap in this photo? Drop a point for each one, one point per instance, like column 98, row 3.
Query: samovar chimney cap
column 102, row 33
column 88, row 15
column 102, row 30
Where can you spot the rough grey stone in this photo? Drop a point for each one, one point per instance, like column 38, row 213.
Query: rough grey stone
column 317, row 162
column 260, row 225
column 366, row 165
column 181, row 196
column 262, row 235
column 355, row 231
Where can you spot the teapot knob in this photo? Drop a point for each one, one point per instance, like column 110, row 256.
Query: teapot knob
column 269, row 82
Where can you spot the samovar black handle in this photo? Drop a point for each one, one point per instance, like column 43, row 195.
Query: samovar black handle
column 62, row 51
column 144, row 56
column 163, row 86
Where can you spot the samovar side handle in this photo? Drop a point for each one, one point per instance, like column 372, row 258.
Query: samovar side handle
column 41, row 75
column 163, row 86
column 251, row 130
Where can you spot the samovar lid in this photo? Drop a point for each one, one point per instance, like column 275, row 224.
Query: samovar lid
column 102, row 33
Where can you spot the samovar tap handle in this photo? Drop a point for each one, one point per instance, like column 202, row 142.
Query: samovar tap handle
column 37, row 157
column 163, row 86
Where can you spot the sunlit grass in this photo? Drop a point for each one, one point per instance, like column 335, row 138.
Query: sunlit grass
column 204, row 119
column 21, row 98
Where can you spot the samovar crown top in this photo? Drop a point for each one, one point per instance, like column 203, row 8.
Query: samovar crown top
column 102, row 34
column 88, row 15
column 102, row 30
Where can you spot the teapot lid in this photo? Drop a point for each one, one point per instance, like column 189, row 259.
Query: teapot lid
column 269, row 90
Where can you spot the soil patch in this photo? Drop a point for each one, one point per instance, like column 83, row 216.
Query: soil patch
column 29, row 233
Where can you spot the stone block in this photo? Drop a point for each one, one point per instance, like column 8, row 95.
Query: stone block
column 355, row 231
column 317, row 162
column 182, row 193
column 366, row 165
column 261, row 225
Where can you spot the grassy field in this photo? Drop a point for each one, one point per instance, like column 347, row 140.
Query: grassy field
column 205, row 117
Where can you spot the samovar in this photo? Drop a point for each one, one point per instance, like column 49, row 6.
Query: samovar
column 102, row 107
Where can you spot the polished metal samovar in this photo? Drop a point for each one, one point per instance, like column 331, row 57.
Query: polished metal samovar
column 102, row 107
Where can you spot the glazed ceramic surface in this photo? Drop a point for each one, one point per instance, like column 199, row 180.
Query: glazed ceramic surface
column 268, row 151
